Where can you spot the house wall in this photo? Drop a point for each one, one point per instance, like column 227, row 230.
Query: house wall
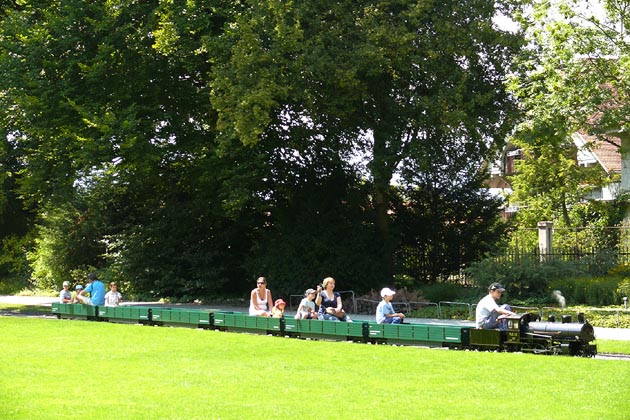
column 625, row 161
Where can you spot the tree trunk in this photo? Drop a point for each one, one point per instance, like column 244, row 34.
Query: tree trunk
column 382, row 175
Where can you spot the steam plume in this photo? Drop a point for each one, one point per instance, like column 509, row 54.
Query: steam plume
column 557, row 295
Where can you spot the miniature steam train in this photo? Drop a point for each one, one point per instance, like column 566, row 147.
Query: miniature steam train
column 524, row 334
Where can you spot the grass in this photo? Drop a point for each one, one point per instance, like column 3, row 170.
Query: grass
column 613, row 346
column 52, row 369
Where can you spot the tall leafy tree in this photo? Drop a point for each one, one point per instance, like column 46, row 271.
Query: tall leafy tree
column 574, row 77
column 178, row 140
column 118, row 137
column 16, row 219
column 403, row 83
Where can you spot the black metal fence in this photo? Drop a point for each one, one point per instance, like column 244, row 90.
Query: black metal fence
column 589, row 245
column 619, row 255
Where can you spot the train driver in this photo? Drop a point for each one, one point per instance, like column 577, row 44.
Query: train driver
column 489, row 314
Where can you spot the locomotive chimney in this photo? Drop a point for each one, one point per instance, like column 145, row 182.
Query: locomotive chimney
column 566, row 319
column 551, row 318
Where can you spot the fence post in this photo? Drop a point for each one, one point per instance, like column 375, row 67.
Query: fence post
column 545, row 234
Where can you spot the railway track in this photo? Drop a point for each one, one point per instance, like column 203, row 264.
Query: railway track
column 613, row 356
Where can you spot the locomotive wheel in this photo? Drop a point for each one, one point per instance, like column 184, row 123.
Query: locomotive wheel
column 525, row 348
column 539, row 349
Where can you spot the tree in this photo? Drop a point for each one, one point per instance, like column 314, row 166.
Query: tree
column 179, row 140
column 118, row 138
column 405, row 83
column 444, row 228
column 548, row 181
column 573, row 78
column 16, row 220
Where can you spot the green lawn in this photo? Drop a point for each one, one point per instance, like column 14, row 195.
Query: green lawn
column 613, row 346
column 52, row 369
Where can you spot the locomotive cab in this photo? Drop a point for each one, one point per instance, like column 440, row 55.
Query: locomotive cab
column 516, row 326
column 501, row 340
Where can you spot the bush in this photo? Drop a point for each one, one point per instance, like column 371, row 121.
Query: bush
column 600, row 317
column 624, row 288
column 523, row 278
column 596, row 291
column 526, row 277
column 452, row 292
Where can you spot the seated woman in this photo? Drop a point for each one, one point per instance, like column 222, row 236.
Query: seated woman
column 329, row 302
column 260, row 299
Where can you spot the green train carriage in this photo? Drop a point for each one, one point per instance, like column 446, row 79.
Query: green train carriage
column 523, row 334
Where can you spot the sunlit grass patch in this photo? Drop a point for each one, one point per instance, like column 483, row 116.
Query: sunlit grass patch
column 55, row 369
column 613, row 346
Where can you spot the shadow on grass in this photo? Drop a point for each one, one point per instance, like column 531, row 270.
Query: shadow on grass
column 14, row 309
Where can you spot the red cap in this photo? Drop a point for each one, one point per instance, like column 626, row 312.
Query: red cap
column 280, row 302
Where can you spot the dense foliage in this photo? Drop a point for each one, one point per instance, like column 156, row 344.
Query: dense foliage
column 185, row 148
column 573, row 78
column 594, row 279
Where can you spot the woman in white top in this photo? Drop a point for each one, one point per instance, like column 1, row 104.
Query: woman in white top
column 260, row 299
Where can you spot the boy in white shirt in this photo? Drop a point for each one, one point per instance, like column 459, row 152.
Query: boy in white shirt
column 113, row 297
column 306, row 310
column 385, row 311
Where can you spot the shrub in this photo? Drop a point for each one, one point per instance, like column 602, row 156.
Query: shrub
column 526, row 277
column 624, row 288
column 596, row 291
column 452, row 292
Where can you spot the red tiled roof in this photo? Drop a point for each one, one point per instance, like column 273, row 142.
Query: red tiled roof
column 606, row 152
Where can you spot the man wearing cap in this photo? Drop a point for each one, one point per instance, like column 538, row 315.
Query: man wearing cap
column 96, row 289
column 385, row 311
column 65, row 296
column 488, row 312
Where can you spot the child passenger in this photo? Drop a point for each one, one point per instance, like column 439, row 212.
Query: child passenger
column 113, row 297
column 385, row 311
column 306, row 310
column 278, row 308
column 77, row 289
column 65, row 296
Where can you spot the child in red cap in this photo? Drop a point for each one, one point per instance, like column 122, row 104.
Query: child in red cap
column 278, row 308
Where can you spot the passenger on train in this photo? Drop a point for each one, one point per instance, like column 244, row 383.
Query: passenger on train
column 329, row 302
column 65, row 296
column 385, row 311
column 95, row 288
column 113, row 297
column 77, row 289
column 307, row 308
column 260, row 299
column 489, row 314
column 278, row 308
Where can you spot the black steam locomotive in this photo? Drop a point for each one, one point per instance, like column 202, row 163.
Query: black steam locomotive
column 526, row 333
